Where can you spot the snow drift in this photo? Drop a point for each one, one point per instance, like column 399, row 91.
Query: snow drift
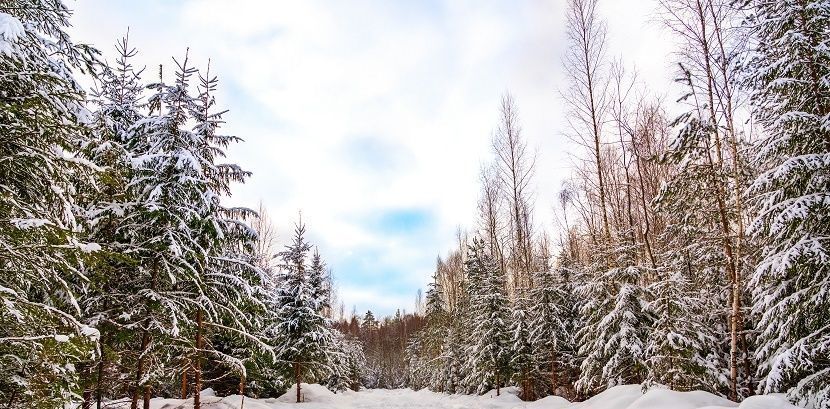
column 620, row 397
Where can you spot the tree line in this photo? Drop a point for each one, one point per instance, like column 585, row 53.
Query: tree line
column 692, row 251
column 124, row 276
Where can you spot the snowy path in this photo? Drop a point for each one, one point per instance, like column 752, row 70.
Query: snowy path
column 621, row 397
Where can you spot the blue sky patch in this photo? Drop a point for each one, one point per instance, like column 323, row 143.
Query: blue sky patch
column 404, row 221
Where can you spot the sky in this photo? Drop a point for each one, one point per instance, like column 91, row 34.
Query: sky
column 372, row 119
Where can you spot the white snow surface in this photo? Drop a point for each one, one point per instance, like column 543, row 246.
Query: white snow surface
column 89, row 247
column 10, row 30
column 620, row 397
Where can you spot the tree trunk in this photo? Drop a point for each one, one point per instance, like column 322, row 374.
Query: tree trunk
column 242, row 391
column 646, row 222
column 747, row 368
column 498, row 384
column 297, row 379
column 597, row 152
column 99, row 381
column 184, row 382
column 145, row 342
column 553, row 379
column 87, row 399
column 139, row 373
column 730, row 258
column 197, row 370
column 147, row 394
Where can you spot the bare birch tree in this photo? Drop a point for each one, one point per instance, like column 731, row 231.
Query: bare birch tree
column 515, row 164
column 586, row 97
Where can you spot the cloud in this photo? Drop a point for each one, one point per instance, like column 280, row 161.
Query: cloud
column 372, row 117
column 374, row 155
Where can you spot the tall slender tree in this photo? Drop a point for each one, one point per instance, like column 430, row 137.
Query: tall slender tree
column 515, row 165
column 585, row 63
column 708, row 56
column 109, row 299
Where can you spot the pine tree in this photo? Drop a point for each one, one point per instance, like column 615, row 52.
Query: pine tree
column 347, row 371
column 789, row 74
column 320, row 283
column 551, row 335
column 612, row 340
column 489, row 318
column 304, row 338
column 523, row 363
column 678, row 344
column 451, row 360
column 110, row 296
column 192, row 279
column 369, row 324
column 43, row 122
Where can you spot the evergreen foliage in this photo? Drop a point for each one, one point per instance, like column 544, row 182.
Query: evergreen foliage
column 490, row 316
column 616, row 322
column 43, row 122
column 304, row 338
column 789, row 75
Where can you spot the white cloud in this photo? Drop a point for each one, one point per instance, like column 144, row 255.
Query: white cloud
column 305, row 79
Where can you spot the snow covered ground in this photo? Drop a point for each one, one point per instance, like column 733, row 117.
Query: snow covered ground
column 621, row 397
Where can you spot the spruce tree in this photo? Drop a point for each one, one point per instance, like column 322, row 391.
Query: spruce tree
column 167, row 186
column 109, row 300
column 430, row 340
column 451, row 360
column 523, row 363
column 43, row 122
column 319, row 282
column 550, row 326
column 347, row 370
column 304, row 338
column 789, row 74
column 693, row 241
column 193, row 279
column 677, row 348
column 612, row 340
column 232, row 297
column 489, row 319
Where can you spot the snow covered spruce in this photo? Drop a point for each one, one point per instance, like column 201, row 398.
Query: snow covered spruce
column 124, row 276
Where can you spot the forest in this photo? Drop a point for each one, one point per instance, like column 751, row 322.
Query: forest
column 691, row 250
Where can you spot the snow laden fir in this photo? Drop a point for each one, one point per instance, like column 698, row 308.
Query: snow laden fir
column 690, row 267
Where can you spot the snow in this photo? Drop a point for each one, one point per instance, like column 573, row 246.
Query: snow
column 620, row 397
column 310, row 393
column 10, row 30
column 550, row 402
column 25, row 224
column 89, row 247
column 90, row 332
